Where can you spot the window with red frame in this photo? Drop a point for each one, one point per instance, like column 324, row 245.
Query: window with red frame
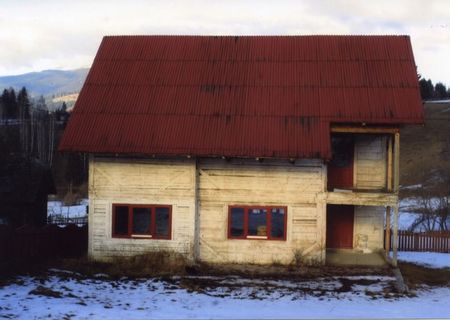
column 142, row 221
column 257, row 222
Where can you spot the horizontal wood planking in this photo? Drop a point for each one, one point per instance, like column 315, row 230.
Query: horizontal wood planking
column 370, row 162
column 284, row 184
column 369, row 222
column 141, row 182
column 362, row 198
column 366, row 130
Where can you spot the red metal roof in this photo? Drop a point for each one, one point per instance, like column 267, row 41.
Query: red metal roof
column 246, row 96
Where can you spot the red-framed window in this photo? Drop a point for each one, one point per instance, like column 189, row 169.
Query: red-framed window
column 141, row 221
column 257, row 222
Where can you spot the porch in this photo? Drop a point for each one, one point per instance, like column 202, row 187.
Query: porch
column 350, row 257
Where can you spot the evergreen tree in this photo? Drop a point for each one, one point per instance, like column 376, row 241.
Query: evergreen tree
column 2, row 107
column 40, row 103
column 440, row 90
column 426, row 89
column 23, row 103
column 9, row 104
column 62, row 115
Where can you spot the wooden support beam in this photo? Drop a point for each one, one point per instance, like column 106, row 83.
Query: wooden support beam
column 387, row 239
column 389, row 165
column 395, row 240
column 349, row 129
column 362, row 198
column 396, row 161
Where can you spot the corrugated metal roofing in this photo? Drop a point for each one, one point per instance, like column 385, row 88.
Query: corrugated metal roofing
column 247, row 96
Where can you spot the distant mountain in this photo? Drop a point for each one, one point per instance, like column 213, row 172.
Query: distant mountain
column 47, row 82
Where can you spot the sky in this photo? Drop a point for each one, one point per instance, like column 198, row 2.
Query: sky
column 62, row 34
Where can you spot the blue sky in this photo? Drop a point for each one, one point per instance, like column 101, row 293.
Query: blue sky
column 62, row 34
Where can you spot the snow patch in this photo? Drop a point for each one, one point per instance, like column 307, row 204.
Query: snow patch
column 158, row 299
column 58, row 209
column 427, row 259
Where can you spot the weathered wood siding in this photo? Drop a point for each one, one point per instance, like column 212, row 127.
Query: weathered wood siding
column 368, row 228
column 370, row 162
column 140, row 182
column 298, row 186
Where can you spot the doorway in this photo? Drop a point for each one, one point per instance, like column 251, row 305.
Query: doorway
column 340, row 221
column 340, row 168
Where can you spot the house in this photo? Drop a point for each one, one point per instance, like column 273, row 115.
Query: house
column 251, row 149
column 25, row 184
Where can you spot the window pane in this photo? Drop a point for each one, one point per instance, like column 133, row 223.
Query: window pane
column 141, row 220
column 257, row 222
column 277, row 216
column 121, row 220
column 237, row 222
column 162, row 221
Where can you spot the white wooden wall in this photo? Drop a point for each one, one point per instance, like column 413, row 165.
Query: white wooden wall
column 140, row 182
column 370, row 162
column 209, row 187
column 368, row 228
column 300, row 187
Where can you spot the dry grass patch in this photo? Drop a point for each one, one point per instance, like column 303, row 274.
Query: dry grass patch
column 425, row 150
column 144, row 265
column 416, row 275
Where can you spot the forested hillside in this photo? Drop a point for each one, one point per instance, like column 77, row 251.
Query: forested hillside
column 30, row 131
column 47, row 82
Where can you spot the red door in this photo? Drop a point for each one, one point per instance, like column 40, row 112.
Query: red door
column 340, row 168
column 340, row 219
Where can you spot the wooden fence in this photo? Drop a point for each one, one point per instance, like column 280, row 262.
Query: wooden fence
column 433, row 241
column 63, row 221
column 50, row 241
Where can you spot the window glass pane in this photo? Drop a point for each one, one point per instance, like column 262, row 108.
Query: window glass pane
column 277, row 223
column 121, row 220
column 162, row 221
column 141, row 220
column 237, row 222
column 257, row 222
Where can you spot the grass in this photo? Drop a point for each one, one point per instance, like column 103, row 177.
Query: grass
column 144, row 265
column 415, row 275
column 425, row 150
column 140, row 266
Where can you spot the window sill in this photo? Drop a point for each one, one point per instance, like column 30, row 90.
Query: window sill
column 141, row 236
column 257, row 237
column 265, row 238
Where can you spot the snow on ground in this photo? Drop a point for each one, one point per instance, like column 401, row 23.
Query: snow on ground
column 438, row 101
column 57, row 208
column 59, row 296
column 427, row 259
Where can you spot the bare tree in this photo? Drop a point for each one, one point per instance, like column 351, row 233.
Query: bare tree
column 433, row 208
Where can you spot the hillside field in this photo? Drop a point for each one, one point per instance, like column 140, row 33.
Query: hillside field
column 425, row 150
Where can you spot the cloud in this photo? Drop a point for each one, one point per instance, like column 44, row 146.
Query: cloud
column 65, row 34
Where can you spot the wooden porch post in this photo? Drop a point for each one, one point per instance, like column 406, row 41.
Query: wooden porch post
column 396, row 187
column 387, row 237
column 389, row 165
column 396, row 161
column 395, row 240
